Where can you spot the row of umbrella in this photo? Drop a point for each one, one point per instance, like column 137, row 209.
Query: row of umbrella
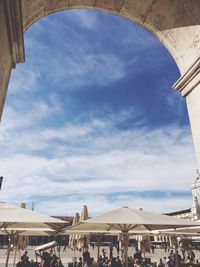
column 17, row 221
column 127, row 221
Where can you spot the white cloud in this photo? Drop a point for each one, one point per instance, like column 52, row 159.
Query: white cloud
column 85, row 70
column 73, row 61
column 84, row 67
column 64, row 133
column 84, row 18
column 24, row 79
column 142, row 162
column 26, row 111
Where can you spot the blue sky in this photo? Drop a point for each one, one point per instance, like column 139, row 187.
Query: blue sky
column 91, row 118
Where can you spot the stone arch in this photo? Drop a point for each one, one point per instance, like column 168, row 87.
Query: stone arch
column 150, row 14
column 150, row 27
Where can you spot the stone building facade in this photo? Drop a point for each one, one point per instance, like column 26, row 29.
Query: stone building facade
column 195, row 210
column 192, row 213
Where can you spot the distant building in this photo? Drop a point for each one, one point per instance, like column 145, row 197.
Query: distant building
column 192, row 213
column 184, row 214
column 195, row 211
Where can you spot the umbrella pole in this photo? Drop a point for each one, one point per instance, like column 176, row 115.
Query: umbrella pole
column 8, row 251
column 15, row 256
column 74, row 258
column 58, row 249
column 98, row 248
column 16, row 246
column 176, row 251
column 125, row 246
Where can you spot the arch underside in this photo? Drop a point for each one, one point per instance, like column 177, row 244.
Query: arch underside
column 174, row 22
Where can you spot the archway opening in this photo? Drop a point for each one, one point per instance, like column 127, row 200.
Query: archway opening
column 90, row 118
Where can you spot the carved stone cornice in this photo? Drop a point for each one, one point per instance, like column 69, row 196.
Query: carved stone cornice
column 13, row 11
column 189, row 80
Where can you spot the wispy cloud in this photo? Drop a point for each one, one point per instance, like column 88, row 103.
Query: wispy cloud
column 87, row 70
column 111, row 161
column 25, row 79
column 76, row 64
column 84, row 18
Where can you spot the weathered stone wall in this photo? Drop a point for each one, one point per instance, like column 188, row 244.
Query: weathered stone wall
column 189, row 86
column 11, row 43
column 193, row 104
column 5, row 57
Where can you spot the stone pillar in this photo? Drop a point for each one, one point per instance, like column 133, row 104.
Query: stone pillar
column 11, row 44
column 189, row 86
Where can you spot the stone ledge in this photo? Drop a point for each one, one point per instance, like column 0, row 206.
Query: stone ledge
column 189, row 80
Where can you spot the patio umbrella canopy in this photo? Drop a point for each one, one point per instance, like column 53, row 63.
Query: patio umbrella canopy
column 13, row 216
column 127, row 219
column 27, row 231
column 184, row 230
column 15, row 220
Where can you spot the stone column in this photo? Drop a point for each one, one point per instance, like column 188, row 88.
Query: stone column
column 11, row 44
column 189, row 86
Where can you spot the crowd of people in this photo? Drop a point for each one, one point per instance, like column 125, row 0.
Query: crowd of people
column 109, row 260
column 183, row 260
column 136, row 260
column 47, row 259
column 106, row 259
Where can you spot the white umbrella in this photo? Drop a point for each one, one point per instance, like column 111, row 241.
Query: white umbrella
column 28, row 231
column 73, row 238
column 83, row 240
column 13, row 216
column 126, row 220
column 22, row 240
